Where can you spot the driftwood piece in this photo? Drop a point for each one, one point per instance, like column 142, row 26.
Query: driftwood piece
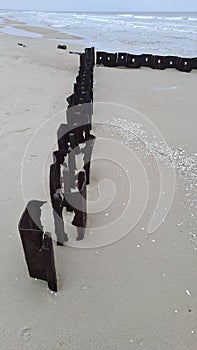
column 62, row 47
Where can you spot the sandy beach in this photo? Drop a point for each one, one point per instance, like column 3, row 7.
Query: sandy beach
column 135, row 288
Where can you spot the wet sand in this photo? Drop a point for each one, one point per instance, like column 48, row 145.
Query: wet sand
column 48, row 33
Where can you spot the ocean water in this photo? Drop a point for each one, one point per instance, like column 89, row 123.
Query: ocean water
column 157, row 33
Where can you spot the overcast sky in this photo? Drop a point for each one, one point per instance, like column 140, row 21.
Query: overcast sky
column 101, row 5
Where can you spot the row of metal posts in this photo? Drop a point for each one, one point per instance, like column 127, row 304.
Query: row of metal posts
column 68, row 186
column 123, row 59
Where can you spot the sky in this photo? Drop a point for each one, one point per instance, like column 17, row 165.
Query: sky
column 100, row 5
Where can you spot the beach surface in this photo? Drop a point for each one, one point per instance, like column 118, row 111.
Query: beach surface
column 135, row 287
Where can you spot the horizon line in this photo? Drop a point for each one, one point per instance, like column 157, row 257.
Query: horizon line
column 99, row 11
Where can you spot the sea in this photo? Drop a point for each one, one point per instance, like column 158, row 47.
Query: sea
column 165, row 33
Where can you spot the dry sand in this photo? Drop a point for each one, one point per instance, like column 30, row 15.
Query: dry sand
column 140, row 292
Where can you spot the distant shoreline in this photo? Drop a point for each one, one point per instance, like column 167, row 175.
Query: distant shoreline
column 137, row 32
